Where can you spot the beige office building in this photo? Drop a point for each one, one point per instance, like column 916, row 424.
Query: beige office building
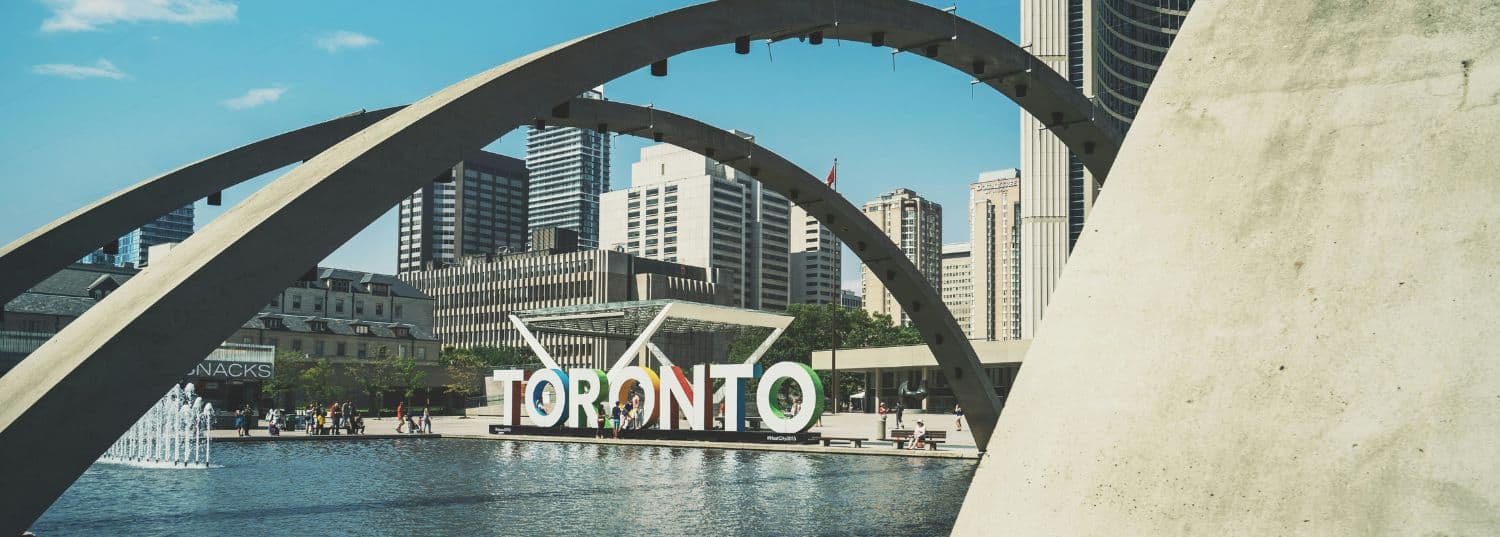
column 958, row 284
column 915, row 224
column 685, row 208
column 816, row 254
column 995, row 240
column 1057, row 192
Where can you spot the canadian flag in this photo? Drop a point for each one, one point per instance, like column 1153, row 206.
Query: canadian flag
column 833, row 174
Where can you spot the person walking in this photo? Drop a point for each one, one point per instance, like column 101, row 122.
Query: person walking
column 958, row 416
column 900, row 408
column 400, row 416
column 615, row 414
column 239, row 423
column 335, row 417
column 307, row 419
column 426, row 420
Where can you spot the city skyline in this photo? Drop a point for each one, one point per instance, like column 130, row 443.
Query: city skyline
column 172, row 82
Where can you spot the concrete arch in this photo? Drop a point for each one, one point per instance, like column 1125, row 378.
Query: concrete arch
column 113, row 358
column 30, row 259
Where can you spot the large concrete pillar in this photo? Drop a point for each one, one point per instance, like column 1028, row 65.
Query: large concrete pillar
column 1282, row 320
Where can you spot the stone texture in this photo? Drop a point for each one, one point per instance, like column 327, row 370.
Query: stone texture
column 1288, row 289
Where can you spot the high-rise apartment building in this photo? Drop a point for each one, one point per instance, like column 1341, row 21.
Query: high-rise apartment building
column 569, row 171
column 134, row 248
column 480, row 210
column 995, row 243
column 816, row 253
column 958, row 284
column 915, row 224
column 686, row 208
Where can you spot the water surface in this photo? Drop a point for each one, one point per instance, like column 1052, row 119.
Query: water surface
column 476, row 487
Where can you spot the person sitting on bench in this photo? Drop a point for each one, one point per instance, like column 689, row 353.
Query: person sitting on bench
column 918, row 437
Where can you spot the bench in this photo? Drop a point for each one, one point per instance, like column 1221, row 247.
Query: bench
column 902, row 436
column 857, row 441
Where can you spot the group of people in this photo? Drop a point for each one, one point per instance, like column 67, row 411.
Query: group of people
column 337, row 418
column 624, row 415
column 409, row 423
column 242, row 420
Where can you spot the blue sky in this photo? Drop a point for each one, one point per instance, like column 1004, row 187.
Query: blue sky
column 100, row 94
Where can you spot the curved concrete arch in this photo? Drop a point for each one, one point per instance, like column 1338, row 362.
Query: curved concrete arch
column 35, row 256
column 114, row 358
column 958, row 43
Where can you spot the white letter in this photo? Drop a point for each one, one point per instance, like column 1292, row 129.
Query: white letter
column 812, row 392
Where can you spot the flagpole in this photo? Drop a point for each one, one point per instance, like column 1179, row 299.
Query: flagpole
column 838, row 300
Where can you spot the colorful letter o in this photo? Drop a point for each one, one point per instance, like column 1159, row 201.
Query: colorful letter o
column 770, row 383
column 559, row 381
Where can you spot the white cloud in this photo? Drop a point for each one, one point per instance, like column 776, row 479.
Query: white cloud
column 84, row 15
column 101, row 69
column 343, row 39
column 254, row 98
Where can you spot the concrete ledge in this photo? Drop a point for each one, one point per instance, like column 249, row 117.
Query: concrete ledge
column 317, row 438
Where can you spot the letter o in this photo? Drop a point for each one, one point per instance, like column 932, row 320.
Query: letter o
column 812, row 388
column 559, row 381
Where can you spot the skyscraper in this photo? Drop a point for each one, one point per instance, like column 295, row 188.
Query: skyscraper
column 686, row 208
column 481, row 211
column 995, row 240
column 134, row 247
column 958, row 284
column 569, row 171
column 915, row 224
column 1131, row 37
column 1057, row 194
column 1111, row 48
column 815, row 261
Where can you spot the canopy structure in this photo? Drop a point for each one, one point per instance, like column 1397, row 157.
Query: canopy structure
column 639, row 321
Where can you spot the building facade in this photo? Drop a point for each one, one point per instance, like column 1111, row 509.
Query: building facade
column 850, row 299
column 683, row 207
column 995, row 240
column 475, row 298
column 915, row 224
column 134, row 248
column 569, row 171
column 816, row 257
column 1130, row 40
column 481, row 210
column 958, row 284
column 346, row 317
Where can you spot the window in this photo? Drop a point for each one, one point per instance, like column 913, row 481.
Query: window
column 272, row 323
column 359, row 307
column 362, row 329
column 398, row 311
column 317, row 304
column 379, row 308
column 296, row 344
column 338, row 305
column 364, row 350
column 421, row 353
column 319, row 349
column 343, row 349
column 296, row 302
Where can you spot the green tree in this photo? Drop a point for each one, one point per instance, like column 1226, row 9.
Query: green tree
column 283, row 385
column 468, row 367
column 817, row 327
column 318, row 383
column 374, row 377
column 407, row 375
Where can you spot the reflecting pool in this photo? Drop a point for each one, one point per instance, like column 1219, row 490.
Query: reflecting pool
column 475, row 487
